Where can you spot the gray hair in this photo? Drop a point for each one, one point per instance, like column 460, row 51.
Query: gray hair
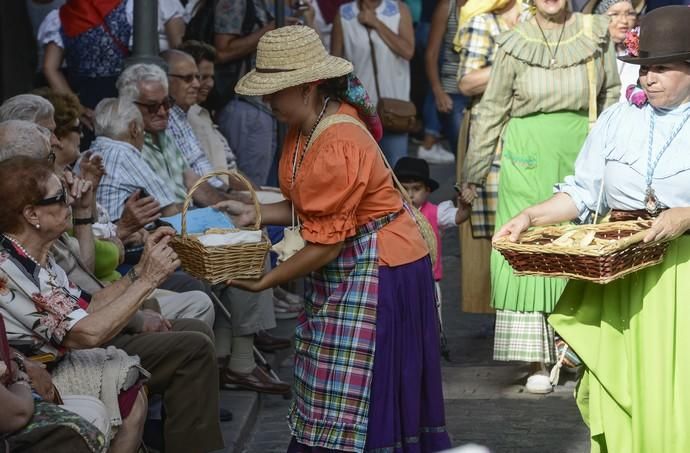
column 23, row 138
column 114, row 116
column 26, row 107
column 129, row 80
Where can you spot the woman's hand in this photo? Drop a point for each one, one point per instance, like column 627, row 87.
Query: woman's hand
column 367, row 17
column 514, row 227
column 253, row 286
column 444, row 103
column 82, row 191
column 669, row 225
column 468, row 193
column 41, row 381
column 158, row 260
column 242, row 214
column 92, row 168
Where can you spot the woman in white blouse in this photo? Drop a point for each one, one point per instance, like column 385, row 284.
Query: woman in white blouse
column 631, row 334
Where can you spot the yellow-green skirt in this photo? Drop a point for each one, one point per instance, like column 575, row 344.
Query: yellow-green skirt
column 634, row 339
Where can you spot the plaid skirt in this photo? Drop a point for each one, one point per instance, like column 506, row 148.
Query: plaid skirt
column 524, row 337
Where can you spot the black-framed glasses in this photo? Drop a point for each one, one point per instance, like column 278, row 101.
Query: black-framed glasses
column 155, row 107
column 188, row 78
column 77, row 129
column 61, row 197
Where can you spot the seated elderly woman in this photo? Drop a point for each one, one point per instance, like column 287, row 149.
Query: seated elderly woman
column 46, row 313
column 630, row 333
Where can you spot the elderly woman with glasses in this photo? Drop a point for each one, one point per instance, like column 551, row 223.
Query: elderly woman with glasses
column 623, row 18
column 46, row 314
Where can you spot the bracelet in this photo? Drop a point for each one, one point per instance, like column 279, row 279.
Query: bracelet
column 132, row 275
column 83, row 221
column 19, row 361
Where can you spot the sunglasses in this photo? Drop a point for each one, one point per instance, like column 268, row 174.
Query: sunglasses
column 189, row 78
column 61, row 197
column 155, row 107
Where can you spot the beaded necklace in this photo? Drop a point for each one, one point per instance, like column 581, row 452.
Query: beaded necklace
column 652, row 204
column 295, row 164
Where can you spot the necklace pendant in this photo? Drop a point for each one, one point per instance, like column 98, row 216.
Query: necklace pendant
column 651, row 203
column 553, row 62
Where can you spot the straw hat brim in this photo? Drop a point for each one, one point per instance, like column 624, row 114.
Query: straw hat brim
column 262, row 83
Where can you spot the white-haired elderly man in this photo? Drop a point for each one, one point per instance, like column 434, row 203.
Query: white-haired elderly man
column 119, row 129
column 147, row 87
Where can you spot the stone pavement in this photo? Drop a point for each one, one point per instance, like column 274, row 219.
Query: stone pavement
column 485, row 400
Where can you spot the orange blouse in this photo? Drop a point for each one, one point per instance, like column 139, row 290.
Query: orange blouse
column 343, row 183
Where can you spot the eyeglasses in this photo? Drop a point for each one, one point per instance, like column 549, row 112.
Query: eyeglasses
column 61, row 197
column 622, row 16
column 189, row 78
column 77, row 130
column 153, row 108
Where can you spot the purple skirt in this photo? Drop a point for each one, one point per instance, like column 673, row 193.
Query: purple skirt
column 406, row 412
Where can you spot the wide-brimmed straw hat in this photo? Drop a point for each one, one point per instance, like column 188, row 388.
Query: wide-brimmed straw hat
column 288, row 57
column 664, row 37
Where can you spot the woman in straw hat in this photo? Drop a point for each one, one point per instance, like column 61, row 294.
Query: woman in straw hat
column 631, row 333
column 367, row 369
column 551, row 75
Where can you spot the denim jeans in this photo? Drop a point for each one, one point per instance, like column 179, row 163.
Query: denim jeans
column 394, row 146
column 448, row 124
column 251, row 134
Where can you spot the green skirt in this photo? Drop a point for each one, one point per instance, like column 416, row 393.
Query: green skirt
column 538, row 152
column 633, row 337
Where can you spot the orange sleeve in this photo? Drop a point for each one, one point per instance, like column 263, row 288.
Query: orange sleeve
column 329, row 193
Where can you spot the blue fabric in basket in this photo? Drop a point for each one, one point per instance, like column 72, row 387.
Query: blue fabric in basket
column 200, row 220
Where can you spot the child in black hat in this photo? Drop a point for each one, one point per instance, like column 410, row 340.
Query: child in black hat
column 413, row 173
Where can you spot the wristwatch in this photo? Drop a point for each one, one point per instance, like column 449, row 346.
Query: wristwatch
column 83, row 221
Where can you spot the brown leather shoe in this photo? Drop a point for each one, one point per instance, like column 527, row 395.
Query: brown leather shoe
column 265, row 342
column 256, row 381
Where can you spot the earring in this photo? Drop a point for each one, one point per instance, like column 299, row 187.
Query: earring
column 38, row 226
column 306, row 100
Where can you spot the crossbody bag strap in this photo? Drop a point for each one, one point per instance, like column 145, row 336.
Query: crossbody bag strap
column 591, row 76
column 375, row 66
column 340, row 118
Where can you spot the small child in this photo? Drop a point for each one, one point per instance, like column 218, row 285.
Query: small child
column 413, row 173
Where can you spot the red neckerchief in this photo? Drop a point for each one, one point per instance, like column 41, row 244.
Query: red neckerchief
column 329, row 8
column 78, row 16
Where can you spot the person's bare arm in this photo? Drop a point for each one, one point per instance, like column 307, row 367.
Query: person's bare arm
column 17, row 407
column 310, row 258
column 52, row 61
column 234, row 47
column 401, row 43
column 557, row 209
column 475, row 82
column 106, row 320
column 245, row 214
column 82, row 208
column 439, row 22
column 337, row 46
column 174, row 31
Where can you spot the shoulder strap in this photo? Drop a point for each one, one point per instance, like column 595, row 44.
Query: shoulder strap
column 340, row 118
column 373, row 62
column 591, row 75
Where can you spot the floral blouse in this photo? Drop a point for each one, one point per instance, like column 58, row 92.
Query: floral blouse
column 39, row 304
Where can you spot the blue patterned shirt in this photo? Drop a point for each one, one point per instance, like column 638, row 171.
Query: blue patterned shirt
column 125, row 172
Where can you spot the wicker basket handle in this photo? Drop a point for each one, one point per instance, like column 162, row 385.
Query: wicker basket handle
column 213, row 174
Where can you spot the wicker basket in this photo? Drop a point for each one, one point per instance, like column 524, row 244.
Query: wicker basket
column 622, row 253
column 226, row 262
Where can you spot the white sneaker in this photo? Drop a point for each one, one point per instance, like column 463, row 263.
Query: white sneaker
column 431, row 155
column 443, row 153
column 539, row 384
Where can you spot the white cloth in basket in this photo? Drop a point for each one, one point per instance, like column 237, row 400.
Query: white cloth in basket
column 230, row 238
